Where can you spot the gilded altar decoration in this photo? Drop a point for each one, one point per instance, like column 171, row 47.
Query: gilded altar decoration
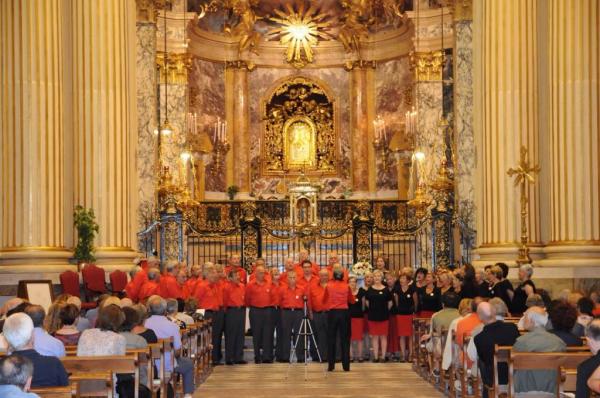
column 524, row 175
column 300, row 31
column 299, row 133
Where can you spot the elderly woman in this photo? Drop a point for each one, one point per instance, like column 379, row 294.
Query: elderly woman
column 133, row 341
column 444, row 282
column 563, row 317
column 357, row 319
column 525, row 289
column 500, row 287
column 106, row 332
column 405, row 296
column 378, row 302
column 430, row 297
column 138, row 324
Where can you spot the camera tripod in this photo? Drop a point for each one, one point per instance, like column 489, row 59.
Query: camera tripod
column 306, row 333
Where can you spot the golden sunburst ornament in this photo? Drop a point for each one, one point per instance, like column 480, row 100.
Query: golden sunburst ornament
column 300, row 31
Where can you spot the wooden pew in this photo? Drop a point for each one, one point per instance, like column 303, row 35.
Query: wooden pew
column 69, row 391
column 467, row 379
column 568, row 380
column 420, row 361
column 97, row 368
column 543, row 361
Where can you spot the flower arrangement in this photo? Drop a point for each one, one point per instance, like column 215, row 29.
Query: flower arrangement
column 84, row 221
column 361, row 268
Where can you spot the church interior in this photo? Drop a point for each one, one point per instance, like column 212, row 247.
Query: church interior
column 425, row 134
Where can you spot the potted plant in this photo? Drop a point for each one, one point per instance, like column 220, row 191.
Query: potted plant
column 87, row 228
column 232, row 190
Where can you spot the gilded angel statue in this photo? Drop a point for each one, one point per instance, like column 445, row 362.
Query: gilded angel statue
column 245, row 28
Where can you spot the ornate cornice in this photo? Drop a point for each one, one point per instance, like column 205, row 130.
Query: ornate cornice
column 360, row 64
column 463, row 10
column 240, row 64
column 147, row 10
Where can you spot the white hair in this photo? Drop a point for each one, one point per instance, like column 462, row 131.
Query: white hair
column 18, row 330
column 157, row 305
column 528, row 269
column 537, row 319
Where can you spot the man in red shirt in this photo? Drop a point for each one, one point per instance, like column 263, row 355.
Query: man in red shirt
column 260, row 298
column 318, row 315
column 234, row 301
column 195, row 276
column 169, row 288
column 182, row 284
column 210, row 298
column 235, row 264
column 307, row 278
column 292, row 306
column 138, row 277
column 151, row 286
column 337, row 297
column 302, row 257
column 333, row 262
column 290, row 268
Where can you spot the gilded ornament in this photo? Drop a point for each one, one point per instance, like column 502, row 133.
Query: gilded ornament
column 178, row 66
column 427, row 66
column 244, row 12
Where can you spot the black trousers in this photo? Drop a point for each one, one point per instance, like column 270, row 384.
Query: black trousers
column 235, row 320
column 276, row 317
column 338, row 321
column 319, row 325
column 290, row 329
column 262, row 333
column 218, row 328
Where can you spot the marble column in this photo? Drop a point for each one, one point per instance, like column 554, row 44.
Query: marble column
column 509, row 87
column 362, row 114
column 33, row 214
column 147, row 122
column 237, row 113
column 104, row 124
column 574, row 78
column 464, row 139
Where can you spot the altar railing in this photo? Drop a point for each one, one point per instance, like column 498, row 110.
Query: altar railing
column 354, row 230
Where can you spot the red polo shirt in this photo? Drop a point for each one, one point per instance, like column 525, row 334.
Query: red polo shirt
column 209, row 295
column 260, row 294
column 306, row 284
column 299, row 274
column 133, row 286
column 169, row 288
column 315, row 267
column 253, row 277
column 234, row 294
column 330, row 270
column 291, row 297
column 149, row 288
column 338, row 295
column 241, row 273
column 190, row 284
column 316, row 298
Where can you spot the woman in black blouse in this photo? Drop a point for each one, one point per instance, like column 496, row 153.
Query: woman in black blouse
column 499, row 287
column 378, row 301
column 406, row 301
column 525, row 289
column 357, row 319
column 429, row 298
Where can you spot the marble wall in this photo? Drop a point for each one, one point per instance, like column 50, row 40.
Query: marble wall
column 260, row 81
column 146, row 120
column 393, row 84
column 429, row 140
column 464, row 136
column 207, row 99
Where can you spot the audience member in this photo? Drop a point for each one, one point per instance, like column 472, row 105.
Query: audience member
column 47, row 371
column 537, row 339
column 82, row 322
column 68, row 332
column 16, row 373
column 43, row 343
column 165, row 329
column 585, row 309
column 138, row 324
column 525, row 289
column 563, row 317
column 106, row 331
column 588, row 371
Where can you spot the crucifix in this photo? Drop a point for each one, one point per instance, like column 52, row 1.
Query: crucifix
column 524, row 175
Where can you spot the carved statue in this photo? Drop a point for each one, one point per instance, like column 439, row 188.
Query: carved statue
column 245, row 28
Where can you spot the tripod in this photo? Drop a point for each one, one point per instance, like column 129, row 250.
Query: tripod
column 305, row 332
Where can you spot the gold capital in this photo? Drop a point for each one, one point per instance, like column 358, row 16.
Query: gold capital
column 427, row 66
column 178, row 65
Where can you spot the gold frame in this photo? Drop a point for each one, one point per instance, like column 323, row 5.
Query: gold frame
column 287, row 162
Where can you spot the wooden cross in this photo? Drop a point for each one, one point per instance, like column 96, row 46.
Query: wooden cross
column 524, row 175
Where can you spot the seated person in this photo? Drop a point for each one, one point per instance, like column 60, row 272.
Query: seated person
column 165, row 329
column 495, row 332
column 104, row 339
column 42, row 341
column 68, row 332
column 585, row 309
column 16, row 373
column 563, row 317
column 537, row 339
column 81, row 322
column 47, row 371
column 588, row 372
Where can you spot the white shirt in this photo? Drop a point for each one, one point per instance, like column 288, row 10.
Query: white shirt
column 47, row 345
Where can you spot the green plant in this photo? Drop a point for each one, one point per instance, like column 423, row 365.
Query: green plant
column 232, row 190
column 87, row 228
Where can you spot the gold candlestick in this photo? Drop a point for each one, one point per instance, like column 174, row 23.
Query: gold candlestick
column 524, row 174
